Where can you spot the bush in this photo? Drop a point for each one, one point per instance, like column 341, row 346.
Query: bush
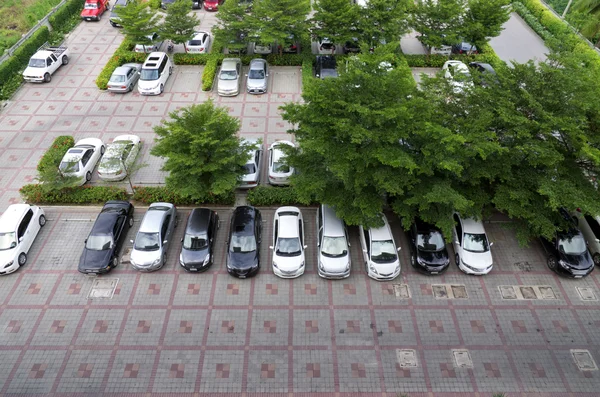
column 122, row 55
column 210, row 70
column 30, row 46
column 154, row 4
column 148, row 195
column 190, row 59
column 34, row 194
column 307, row 71
column 56, row 151
column 62, row 17
column 262, row 196
column 285, row 60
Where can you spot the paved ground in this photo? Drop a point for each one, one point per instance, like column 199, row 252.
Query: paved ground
column 518, row 42
column 210, row 334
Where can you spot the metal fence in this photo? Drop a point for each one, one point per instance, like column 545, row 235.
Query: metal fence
column 44, row 21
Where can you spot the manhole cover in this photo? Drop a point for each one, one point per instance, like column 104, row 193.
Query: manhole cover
column 402, row 291
column 103, row 288
column 459, row 291
column 528, row 292
column 547, row 292
column 586, row 294
column 584, row 360
column 406, row 358
column 507, row 292
column 462, row 358
column 439, row 291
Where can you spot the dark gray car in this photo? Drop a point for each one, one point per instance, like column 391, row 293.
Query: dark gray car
column 197, row 250
column 114, row 18
column 325, row 67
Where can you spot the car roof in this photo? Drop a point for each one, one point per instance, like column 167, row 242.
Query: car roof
column 153, row 60
column 153, row 218
column 288, row 223
column 332, row 226
column 198, row 221
column 105, row 222
column 242, row 222
column 257, row 62
column 423, row 226
column 13, row 214
column 381, row 233
column 230, row 63
column 471, row 225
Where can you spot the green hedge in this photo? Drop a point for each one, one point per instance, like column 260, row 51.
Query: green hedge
column 210, row 70
column 437, row 61
column 63, row 15
column 190, row 59
column 55, row 153
column 532, row 20
column 152, row 194
column 122, row 55
column 262, row 196
column 34, row 194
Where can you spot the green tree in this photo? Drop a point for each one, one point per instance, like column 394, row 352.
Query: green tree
column 138, row 21
column 204, row 156
column 439, row 22
column 590, row 26
column 484, row 19
column 275, row 20
column 335, row 20
column 383, row 21
column 179, row 23
column 234, row 25
column 51, row 179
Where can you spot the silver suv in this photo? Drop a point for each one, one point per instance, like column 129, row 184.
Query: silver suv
column 154, row 237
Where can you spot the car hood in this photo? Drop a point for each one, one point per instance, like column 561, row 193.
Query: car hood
column 91, row 259
column 7, row 256
column 578, row 262
column 434, row 258
column 196, row 256
column 29, row 71
column 256, row 83
column 145, row 258
column 288, row 263
column 228, row 84
column 242, row 260
column 385, row 268
column 334, row 265
column 477, row 260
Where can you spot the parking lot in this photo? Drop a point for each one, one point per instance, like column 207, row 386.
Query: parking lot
column 520, row 330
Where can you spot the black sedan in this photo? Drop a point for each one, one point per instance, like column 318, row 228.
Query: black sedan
column 197, row 251
column 243, row 245
column 101, row 251
column 428, row 248
column 567, row 254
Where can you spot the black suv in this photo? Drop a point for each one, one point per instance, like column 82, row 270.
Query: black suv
column 325, row 66
column 243, row 244
column 197, row 252
column 428, row 251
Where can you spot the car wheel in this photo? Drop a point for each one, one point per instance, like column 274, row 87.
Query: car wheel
column 162, row 88
column 22, row 258
column 47, row 78
column 102, row 149
column 552, row 263
column 65, row 60
column 88, row 176
column 413, row 260
column 130, row 88
column 457, row 260
column 42, row 220
column 596, row 259
column 131, row 222
column 115, row 262
column 171, row 70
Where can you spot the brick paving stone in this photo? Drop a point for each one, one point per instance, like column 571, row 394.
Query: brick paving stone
column 192, row 290
column 222, row 372
column 561, row 328
column 478, row 327
column 227, row 328
column 177, row 371
column 19, row 324
column 85, row 369
column 267, row 372
column 269, row 328
column 537, row 371
column 578, row 381
column 590, row 320
column 143, row 327
column 358, row 371
column 493, row 372
column 153, row 289
column 436, row 327
column 36, row 373
column 401, row 380
column 315, row 333
column 34, row 289
column 350, row 292
column 185, row 328
column 443, row 375
column 57, row 327
column 313, row 371
column 519, row 327
column 131, row 371
column 353, row 328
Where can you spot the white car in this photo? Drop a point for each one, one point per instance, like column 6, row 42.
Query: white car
column 251, row 176
column 590, row 227
column 263, row 49
column 199, row 43
column 81, row 159
column 458, row 74
column 279, row 170
column 332, row 244
column 288, row 243
column 326, row 46
column 19, row 226
column 379, row 252
column 471, row 246
column 119, row 157
column 154, row 75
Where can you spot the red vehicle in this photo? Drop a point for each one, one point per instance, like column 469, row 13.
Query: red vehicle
column 93, row 9
column 212, row 5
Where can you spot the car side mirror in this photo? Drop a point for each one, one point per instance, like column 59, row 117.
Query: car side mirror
column 491, row 244
column 364, row 250
column 165, row 242
column 598, row 240
column 456, row 242
column 246, row 75
column 306, row 246
column 85, row 241
column 270, row 247
column 398, row 249
column 14, row 244
column 131, row 241
column 182, row 240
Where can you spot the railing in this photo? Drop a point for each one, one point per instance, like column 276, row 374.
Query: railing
column 44, row 21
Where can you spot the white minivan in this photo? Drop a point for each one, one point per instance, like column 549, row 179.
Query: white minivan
column 154, row 75
column 19, row 226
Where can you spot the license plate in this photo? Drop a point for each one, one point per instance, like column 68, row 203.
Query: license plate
column 241, row 276
column 88, row 19
column 193, row 270
column 435, row 273
column 577, row 276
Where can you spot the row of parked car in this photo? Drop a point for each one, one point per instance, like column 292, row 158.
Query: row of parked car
column 567, row 254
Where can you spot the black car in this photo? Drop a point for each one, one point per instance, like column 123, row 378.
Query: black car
column 352, row 46
column 101, row 251
column 243, row 245
column 464, row 48
column 197, row 253
column 487, row 72
column 428, row 248
column 325, row 66
column 567, row 254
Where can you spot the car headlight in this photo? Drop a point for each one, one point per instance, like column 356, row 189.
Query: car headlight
column 206, row 260
column 348, row 266
column 321, row 265
column 9, row 264
column 156, row 262
column 181, row 260
column 563, row 264
column 275, row 265
column 397, row 268
column 469, row 267
column 420, row 260
column 372, row 268
column 132, row 262
column 302, row 264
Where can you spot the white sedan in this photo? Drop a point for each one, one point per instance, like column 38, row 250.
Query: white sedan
column 119, row 157
column 19, row 226
column 458, row 74
column 199, row 43
column 279, row 170
column 288, row 243
column 81, row 159
column 379, row 251
column 471, row 246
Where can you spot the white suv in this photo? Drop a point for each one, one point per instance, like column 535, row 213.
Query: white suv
column 380, row 252
column 19, row 226
column 471, row 246
column 154, row 75
column 288, row 243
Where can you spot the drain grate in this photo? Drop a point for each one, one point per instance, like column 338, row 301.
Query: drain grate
column 462, row 358
column 586, row 294
column 527, row 292
column 103, row 288
column 584, row 360
column 402, row 291
column 406, row 358
column 508, row 292
column 449, row 291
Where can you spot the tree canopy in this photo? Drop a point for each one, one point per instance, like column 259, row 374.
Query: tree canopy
column 179, row 24
column 483, row 20
column 438, row 21
column 138, row 21
column 335, row 20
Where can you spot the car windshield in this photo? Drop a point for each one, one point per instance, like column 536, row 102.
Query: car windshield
column 574, row 245
column 334, row 247
column 256, row 74
column 194, row 243
column 117, row 78
column 228, row 75
column 147, row 241
column 149, row 74
column 69, row 166
column 249, row 168
column 37, row 63
column 91, row 6
column 242, row 244
column 476, row 242
column 7, row 241
column 383, row 251
column 281, row 168
column 431, row 241
column 288, row 246
column 100, row 242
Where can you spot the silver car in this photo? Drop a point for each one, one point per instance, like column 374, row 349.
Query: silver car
column 230, row 77
column 119, row 157
column 148, row 48
column 154, row 237
column 258, row 77
column 124, row 77
column 251, row 176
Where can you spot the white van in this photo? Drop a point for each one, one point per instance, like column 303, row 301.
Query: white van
column 154, row 75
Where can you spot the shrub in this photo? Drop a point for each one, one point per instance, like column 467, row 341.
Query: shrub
column 122, row 55
column 61, row 18
column 154, row 4
column 285, row 60
column 262, row 196
column 34, row 194
column 210, row 70
column 56, row 151
column 307, row 71
column 153, row 194
column 190, row 59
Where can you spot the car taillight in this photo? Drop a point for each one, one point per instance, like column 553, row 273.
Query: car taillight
column 201, row 49
column 251, row 183
column 123, row 87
